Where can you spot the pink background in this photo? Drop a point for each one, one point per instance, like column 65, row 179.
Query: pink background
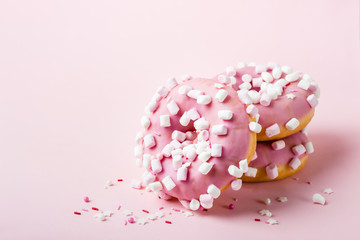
column 75, row 77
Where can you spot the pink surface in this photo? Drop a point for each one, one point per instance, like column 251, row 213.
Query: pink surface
column 76, row 75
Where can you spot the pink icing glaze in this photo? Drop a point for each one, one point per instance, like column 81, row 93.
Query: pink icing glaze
column 266, row 155
column 282, row 109
column 235, row 144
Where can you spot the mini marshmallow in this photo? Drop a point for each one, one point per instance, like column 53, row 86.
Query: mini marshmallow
column 273, row 130
column 138, row 137
column 138, row 162
column 206, row 201
column 202, row 146
column 236, row 184
column 298, row 149
column 224, row 79
column 220, row 129
column 312, row 100
column 256, row 82
column 272, row 91
column 241, row 65
column 146, row 160
column 165, row 121
column 186, row 77
column 149, row 141
column 305, row 130
column 292, row 77
column 193, row 114
column 180, row 136
column 162, row 91
column 309, row 147
column 194, row 94
column 191, row 154
column 319, row 199
column 304, row 84
column 251, row 172
column 281, row 82
column 252, row 110
column 155, row 186
column 185, row 119
column 194, row 204
column 138, row 151
column 294, row 163
column 156, row 97
column 221, row 95
column 255, row 127
column 173, row 107
column 265, row 99
column 201, row 124
column 287, row 69
column 219, row 85
column 172, row 82
column 213, row 191
column 251, row 64
column 244, row 96
column 184, row 89
column 290, row 96
column 235, row 171
column 205, row 168
column 272, row 171
column 135, row 183
column 225, row 114
column 175, row 143
column 260, row 68
column 277, row 145
column 255, row 96
column 276, row 72
column 232, row 80
column 292, row 124
column 245, row 85
column 216, row 150
column 254, row 157
column 267, row 77
column 167, row 150
column 246, row 78
column 156, row 166
column 203, row 135
column 204, row 156
column 243, row 165
column 145, row 122
column 182, row 174
column 148, row 178
column 272, row 65
column 168, row 183
column 203, row 99
column 231, row 71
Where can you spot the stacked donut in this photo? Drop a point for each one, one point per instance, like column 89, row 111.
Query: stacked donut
column 200, row 135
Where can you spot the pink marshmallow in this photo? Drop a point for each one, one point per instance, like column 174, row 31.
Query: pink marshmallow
column 294, row 163
column 193, row 114
column 272, row 171
column 312, row 100
column 272, row 130
column 298, row 149
column 172, row 82
column 277, row 145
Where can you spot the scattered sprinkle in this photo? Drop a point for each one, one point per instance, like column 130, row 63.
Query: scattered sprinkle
column 235, row 199
column 161, row 208
column 188, row 214
column 296, row 179
column 175, row 209
column 267, row 201
column 231, row 206
column 168, row 222
column 77, row 213
column 95, row 209
column 107, row 213
column 282, row 199
column 318, row 199
column 272, row 221
column 100, row 217
column 120, row 180
column 125, row 222
column 152, row 217
column 85, row 210
column 328, row 191
column 308, row 182
column 127, row 212
column 142, row 221
column 290, row 96
column 131, row 220
column 145, row 211
column 160, row 214
column 119, row 207
column 257, row 219
column 265, row 212
column 86, row 199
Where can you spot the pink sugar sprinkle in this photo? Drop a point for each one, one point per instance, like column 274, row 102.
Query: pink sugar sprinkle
column 125, row 222
column 296, row 179
column 293, row 90
column 176, row 210
column 161, row 208
column 77, row 213
column 86, row 199
column 156, row 133
column 95, row 209
column 85, row 210
column 231, row 206
column 119, row 207
column 235, row 199
column 308, row 182
column 131, row 220
column 168, row 222
column 257, row 220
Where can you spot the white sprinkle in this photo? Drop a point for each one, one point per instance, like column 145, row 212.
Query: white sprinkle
column 272, row 221
column 203, row 99
column 127, row 212
column 267, row 201
column 165, row 121
column 309, row 147
column 194, row 204
column 100, row 216
column 173, row 107
column 318, row 198
column 220, row 129
column 168, row 183
column 194, row 94
column 294, row 163
column 213, row 191
column 276, row 72
column 193, row 114
column 292, row 124
column 282, row 199
column 290, row 96
column 251, row 172
column 273, row 130
column 205, row 168
column 145, row 122
column 201, row 124
column 255, row 127
column 172, row 82
column 265, row 212
column 236, row 184
column 292, row 77
column 221, row 95
column 185, row 119
column 328, row 191
column 188, row 214
column 142, row 221
column 149, row 141
column 243, row 165
column 277, row 145
column 267, row 77
column 184, row 89
column 235, row 171
column 225, row 114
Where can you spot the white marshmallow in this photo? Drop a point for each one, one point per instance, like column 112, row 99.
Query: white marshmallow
column 172, row 82
column 180, row 136
column 287, row 69
column 173, row 107
column 225, row 114
column 276, row 72
column 213, row 191
column 265, row 99
column 194, row 94
column 138, row 137
column 138, row 151
column 256, row 82
column 246, row 78
column 254, row 157
column 194, row 204
column 145, row 122
column 224, row 79
column 175, row 143
column 184, row 89
column 298, row 149
column 220, row 129
column 193, row 114
column 292, row 124
column 245, row 85
column 219, row 85
column 202, row 146
column 216, row 150
column 272, row 65
column 272, row 171
column 251, row 64
column 255, row 127
column 318, row 198
column 138, row 162
column 135, row 183
column 203, row 135
column 146, row 160
column 186, row 77
column 304, row 84
column 277, row 145
column 251, row 172
column 260, row 68
column 235, row 171
column 205, row 168
column 243, row 165
column 162, row 91
column 155, row 186
column 294, row 163
column 156, row 97
column 167, row 150
column 149, row 141
column 255, row 96
column 252, row 110
column 203, row 99
column 267, row 77
column 309, row 147
column 221, row 95
column 231, row 71
column 168, row 183
column 241, row 65
column 292, row 77
column 236, row 184
column 201, row 124
column 244, row 96
column 185, row 119
column 182, row 174
column 206, row 201
column 204, row 156
column 281, row 82
column 312, row 100
column 273, row 130
column 148, row 178
column 156, row 165
column 165, row 121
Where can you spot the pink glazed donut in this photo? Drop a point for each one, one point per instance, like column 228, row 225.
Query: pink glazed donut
column 282, row 100
column 196, row 141
column 279, row 159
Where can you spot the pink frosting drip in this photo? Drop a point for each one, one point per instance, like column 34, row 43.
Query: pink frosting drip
column 235, row 144
column 266, row 155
